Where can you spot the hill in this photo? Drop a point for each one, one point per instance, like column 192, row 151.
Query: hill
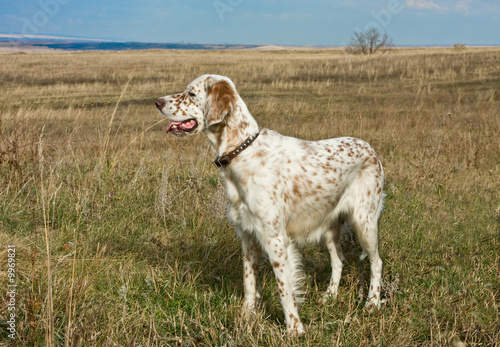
column 76, row 44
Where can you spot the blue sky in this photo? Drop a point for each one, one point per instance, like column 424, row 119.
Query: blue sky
column 292, row 22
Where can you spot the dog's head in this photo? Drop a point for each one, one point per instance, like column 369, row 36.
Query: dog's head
column 205, row 104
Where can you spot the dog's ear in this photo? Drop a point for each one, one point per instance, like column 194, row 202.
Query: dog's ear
column 220, row 102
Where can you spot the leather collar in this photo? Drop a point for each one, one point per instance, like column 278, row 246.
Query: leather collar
column 226, row 159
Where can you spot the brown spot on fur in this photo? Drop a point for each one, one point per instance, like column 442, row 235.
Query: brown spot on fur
column 294, row 320
column 286, row 197
column 296, row 189
column 259, row 154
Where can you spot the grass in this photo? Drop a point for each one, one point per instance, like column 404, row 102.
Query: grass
column 120, row 231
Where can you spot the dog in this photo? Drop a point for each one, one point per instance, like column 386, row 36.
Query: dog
column 283, row 190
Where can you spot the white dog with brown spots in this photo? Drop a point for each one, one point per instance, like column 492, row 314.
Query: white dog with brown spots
column 283, row 190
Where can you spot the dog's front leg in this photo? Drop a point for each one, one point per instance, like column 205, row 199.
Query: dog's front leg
column 251, row 262
column 279, row 252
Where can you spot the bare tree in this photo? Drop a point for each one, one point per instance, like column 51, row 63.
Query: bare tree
column 369, row 42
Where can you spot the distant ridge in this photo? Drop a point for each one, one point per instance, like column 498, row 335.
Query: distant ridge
column 122, row 46
column 14, row 37
column 80, row 44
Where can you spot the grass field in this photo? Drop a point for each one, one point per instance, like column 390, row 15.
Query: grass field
column 120, row 232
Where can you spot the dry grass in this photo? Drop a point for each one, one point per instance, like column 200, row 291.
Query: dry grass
column 120, row 231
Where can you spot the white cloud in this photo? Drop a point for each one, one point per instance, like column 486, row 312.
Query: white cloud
column 463, row 5
column 476, row 7
column 424, row 5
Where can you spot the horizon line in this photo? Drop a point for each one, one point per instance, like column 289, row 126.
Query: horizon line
column 20, row 37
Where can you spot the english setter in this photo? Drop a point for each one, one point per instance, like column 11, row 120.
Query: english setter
column 283, row 190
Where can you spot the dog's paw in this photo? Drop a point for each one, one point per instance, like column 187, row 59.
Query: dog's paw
column 298, row 331
column 327, row 297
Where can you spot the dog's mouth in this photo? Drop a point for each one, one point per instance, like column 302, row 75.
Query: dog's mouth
column 185, row 126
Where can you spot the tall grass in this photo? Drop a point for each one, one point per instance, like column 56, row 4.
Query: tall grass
column 120, row 230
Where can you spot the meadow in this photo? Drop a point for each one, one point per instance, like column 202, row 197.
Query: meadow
column 120, row 232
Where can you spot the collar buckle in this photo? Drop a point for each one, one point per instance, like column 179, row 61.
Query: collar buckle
column 222, row 161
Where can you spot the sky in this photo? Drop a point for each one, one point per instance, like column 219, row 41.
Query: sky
column 284, row 22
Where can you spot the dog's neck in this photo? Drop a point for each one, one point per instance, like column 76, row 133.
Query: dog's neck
column 233, row 131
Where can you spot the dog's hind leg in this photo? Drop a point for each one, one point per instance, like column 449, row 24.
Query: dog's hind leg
column 332, row 241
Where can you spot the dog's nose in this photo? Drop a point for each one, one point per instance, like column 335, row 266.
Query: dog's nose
column 160, row 102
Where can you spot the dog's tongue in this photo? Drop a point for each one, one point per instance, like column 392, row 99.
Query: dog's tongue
column 186, row 125
column 173, row 125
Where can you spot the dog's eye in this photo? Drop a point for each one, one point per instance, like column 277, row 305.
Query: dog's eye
column 191, row 93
